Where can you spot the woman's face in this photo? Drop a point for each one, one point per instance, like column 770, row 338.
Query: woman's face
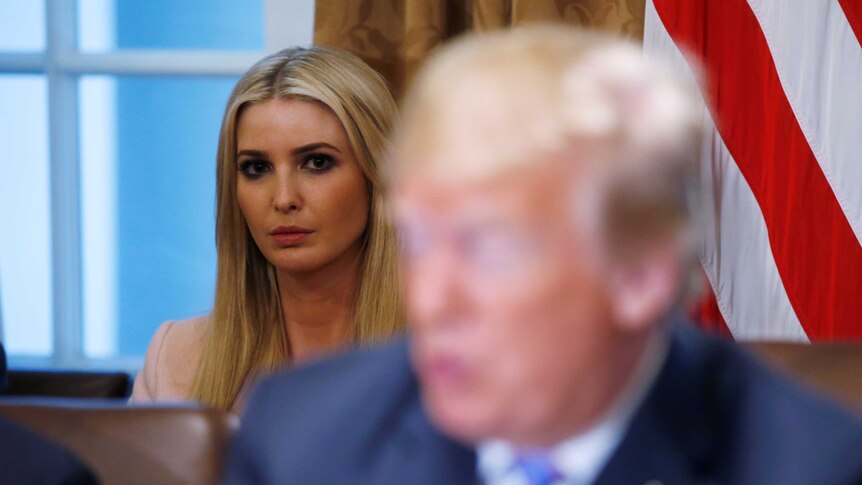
column 299, row 186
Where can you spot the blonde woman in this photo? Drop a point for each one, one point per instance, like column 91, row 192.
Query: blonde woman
column 306, row 258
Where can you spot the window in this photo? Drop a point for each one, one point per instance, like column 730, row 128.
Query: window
column 109, row 120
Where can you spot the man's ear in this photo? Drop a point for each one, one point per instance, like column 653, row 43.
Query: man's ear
column 643, row 289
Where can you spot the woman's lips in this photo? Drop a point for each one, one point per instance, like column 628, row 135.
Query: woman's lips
column 288, row 236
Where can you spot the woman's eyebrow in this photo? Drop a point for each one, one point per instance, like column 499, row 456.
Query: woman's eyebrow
column 314, row 146
column 251, row 153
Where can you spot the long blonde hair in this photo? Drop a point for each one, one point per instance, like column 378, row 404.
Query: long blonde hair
column 246, row 334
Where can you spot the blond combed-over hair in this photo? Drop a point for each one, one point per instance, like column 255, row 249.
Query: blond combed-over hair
column 557, row 92
column 247, row 334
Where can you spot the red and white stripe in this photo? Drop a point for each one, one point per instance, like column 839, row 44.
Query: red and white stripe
column 782, row 164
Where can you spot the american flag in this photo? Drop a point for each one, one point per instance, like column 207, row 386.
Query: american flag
column 782, row 158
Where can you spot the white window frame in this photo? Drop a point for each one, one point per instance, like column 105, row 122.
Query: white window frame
column 63, row 64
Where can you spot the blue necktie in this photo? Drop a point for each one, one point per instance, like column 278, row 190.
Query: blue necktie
column 538, row 468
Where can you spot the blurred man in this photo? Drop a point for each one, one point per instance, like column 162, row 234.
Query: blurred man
column 542, row 189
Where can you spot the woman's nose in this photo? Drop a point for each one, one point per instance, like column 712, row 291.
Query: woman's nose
column 287, row 195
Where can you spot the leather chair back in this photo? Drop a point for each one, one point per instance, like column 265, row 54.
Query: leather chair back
column 58, row 383
column 123, row 444
column 834, row 369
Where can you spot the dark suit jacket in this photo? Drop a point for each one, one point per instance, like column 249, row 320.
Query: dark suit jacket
column 714, row 415
column 26, row 458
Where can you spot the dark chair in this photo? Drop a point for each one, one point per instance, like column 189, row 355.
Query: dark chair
column 68, row 384
column 3, row 377
column 123, row 444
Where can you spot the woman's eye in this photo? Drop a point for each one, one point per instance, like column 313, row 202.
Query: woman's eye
column 254, row 168
column 318, row 163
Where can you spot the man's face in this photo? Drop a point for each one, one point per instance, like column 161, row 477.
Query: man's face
column 509, row 311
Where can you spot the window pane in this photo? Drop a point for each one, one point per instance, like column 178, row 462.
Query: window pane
column 169, row 24
column 99, row 213
column 150, row 240
column 25, row 251
column 22, row 25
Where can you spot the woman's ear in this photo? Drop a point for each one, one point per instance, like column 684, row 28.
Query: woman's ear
column 644, row 289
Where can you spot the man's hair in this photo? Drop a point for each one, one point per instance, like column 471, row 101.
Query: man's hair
column 564, row 93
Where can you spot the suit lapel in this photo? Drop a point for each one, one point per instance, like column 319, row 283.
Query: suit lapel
column 674, row 435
